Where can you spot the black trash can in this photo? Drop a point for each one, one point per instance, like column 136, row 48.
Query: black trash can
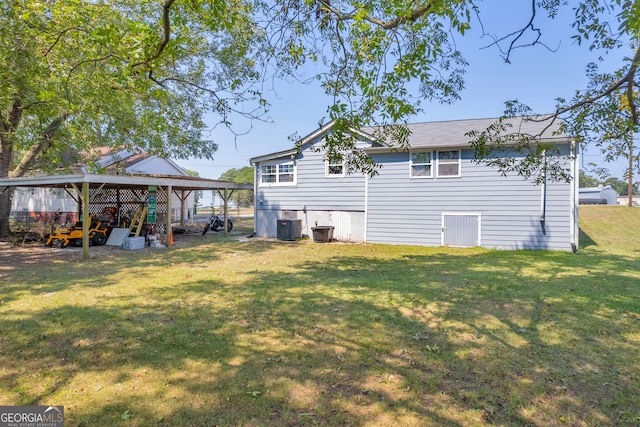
column 322, row 234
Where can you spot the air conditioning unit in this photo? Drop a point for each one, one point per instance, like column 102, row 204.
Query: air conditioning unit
column 289, row 229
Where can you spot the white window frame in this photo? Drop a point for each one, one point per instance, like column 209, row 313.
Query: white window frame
column 328, row 166
column 431, row 164
column 278, row 173
column 449, row 162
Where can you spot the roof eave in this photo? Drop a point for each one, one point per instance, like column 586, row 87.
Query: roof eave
column 309, row 139
column 185, row 182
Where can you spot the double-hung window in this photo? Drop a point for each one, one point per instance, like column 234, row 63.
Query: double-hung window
column 335, row 167
column 421, row 164
column 449, row 163
column 268, row 174
column 286, row 173
column 278, row 173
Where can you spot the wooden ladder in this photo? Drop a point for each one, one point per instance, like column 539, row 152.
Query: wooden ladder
column 138, row 220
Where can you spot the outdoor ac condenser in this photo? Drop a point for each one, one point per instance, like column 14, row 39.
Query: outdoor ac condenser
column 289, row 229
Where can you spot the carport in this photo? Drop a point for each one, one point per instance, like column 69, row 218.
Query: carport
column 96, row 191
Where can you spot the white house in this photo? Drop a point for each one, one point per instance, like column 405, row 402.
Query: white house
column 45, row 204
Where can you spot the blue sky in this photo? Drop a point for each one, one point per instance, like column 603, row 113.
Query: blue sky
column 536, row 76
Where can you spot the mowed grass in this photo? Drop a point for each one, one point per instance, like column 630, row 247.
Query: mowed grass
column 260, row 333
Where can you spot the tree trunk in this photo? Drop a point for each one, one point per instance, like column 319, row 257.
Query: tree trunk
column 6, row 163
column 630, row 172
column 8, row 169
column 8, row 126
column 5, row 211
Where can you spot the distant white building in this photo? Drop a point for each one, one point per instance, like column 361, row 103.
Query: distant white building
column 48, row 205
column 624, row 200
column 600, row 195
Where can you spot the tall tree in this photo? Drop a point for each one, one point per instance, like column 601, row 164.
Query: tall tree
column 145, row 72
column 243, row 175
column 621, row 187
column 605, row 113
column 76, row 74
column 586, row 180
column 377, row 61
column 376, row 53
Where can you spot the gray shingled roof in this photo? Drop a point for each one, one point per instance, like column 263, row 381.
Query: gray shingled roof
column 451, row 133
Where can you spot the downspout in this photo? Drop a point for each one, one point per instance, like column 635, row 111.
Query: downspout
column 366, row 207
column 543, row 198
column 575, row 232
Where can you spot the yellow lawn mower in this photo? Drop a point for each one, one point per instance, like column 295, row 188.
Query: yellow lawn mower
column 73, row 235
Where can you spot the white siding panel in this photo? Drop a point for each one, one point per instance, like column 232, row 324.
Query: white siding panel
column 155, row 165
column 42, row 200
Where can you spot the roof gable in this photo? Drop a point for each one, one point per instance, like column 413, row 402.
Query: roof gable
column 131, row 161
column 310, row 139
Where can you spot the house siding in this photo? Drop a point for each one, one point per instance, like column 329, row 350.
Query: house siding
column 402, row 210
column 40, row 204
column 480, row 206
column 314, row 199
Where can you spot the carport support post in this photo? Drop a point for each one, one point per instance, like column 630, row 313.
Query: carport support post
column 182, row 197
column 226, row 209
column 85, row 220
column 169, row 230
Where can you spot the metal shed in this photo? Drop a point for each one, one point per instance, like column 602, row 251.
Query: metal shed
column 601, row 195
column 95, row 191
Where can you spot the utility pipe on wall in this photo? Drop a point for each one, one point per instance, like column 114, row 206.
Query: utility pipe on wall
column 543, row 201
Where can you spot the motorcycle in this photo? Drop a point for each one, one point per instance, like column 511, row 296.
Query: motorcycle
column 216, row 223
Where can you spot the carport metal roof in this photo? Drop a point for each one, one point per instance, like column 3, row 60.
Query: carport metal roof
column 83, row 182
column 119, row 181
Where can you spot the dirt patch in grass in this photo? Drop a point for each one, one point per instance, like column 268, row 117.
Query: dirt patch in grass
column 29, row 254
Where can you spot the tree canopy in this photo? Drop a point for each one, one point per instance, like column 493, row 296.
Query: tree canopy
column 121, row 73
column 151, row 73
column 603, row 114
column 243, row 175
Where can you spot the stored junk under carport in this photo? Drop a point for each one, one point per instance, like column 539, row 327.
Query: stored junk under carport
column 125, row 193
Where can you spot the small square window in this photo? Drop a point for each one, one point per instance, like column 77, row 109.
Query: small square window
column 268, row 174
column 335, row 167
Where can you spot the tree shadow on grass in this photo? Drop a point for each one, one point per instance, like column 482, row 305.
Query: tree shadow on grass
column 422, row 338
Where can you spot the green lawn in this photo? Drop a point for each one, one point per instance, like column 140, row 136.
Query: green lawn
column 256, row 333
